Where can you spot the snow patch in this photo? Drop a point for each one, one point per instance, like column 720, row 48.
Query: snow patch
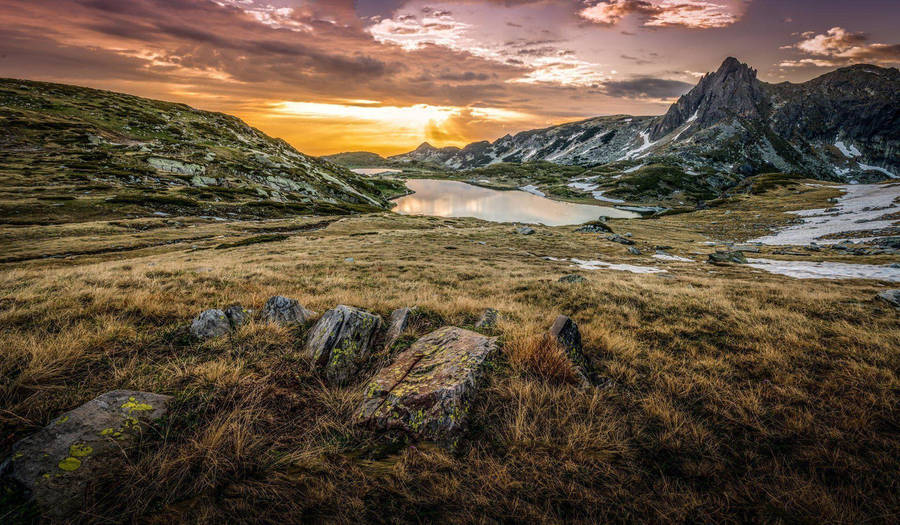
column 602, row 265
column 633, row 169
column 860, row 208
column 876, row 168
column 826, row 270
column 847, row 152
column 635, row 153
column 667, row 257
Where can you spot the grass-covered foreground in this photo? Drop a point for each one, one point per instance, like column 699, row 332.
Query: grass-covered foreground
column 730, row 395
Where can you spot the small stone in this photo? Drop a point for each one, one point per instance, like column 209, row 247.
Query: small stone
column 341, row 341
column 59, row 462
column 633, row 251
column 488, row 320
column 238, row 315
column 565, row 332
column 282, row 310
column 349, row 260
column 426, row 392
column 892, row 297
column 525, row 230
column 399, row 321
column 619, row 239
column 209, row 324
column 662, row 248
column 572, row 278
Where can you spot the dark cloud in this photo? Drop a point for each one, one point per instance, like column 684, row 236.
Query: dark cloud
column 646, row 87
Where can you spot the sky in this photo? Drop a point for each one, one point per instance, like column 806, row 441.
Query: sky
column 386, row 75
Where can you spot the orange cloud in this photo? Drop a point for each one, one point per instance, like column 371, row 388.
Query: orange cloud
column 837, row 47
column 693, row 14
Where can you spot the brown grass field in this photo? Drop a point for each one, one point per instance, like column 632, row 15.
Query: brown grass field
column 730, row 395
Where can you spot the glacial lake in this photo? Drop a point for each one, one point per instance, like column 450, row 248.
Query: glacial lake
column 375, row 171
column 449, row 198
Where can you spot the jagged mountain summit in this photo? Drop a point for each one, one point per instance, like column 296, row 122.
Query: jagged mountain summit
column 73, row 153
column 844, row 125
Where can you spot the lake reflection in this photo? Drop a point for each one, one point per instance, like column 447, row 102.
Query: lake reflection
column 448, row 198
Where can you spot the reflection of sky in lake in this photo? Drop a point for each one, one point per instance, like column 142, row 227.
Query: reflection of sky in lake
column 446, row 198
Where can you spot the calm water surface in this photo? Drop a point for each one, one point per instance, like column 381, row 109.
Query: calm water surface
column 374, row 171
column 448, row 198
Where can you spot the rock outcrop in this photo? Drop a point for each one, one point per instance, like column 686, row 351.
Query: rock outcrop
column 426, row 391
column 282, row 310
column 57, row 463
column 341, row 341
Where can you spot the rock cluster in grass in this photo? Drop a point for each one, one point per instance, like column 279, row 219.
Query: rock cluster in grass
column 425, row 393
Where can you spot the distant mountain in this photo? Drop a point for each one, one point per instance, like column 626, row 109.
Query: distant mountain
column 428, row 153
column 357, row 159
column 74, row 153
column 844, row 125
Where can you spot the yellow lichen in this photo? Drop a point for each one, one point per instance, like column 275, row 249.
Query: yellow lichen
column 62, row 420
column 69, row 464
column 80, row 450
column 133, row 406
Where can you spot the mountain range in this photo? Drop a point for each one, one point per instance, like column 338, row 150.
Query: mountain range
column 844, row 125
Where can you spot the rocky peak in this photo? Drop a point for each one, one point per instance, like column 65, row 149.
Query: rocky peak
column 732, row 91
column 425, row 147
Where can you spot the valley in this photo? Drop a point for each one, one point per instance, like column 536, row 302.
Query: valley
column 283, row 338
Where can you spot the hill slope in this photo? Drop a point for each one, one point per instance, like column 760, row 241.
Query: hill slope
column 73, row 153
column 844, row 125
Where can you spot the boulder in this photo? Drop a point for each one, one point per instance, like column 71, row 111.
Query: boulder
column 400, row 319
column 488, row 320
column 57, row 463
column 891, row 297
column 341, row 341
column 727, row 257
column 282, row 310
column 619, row 239
column 209, row 324
column 572, row 278
column 565, row 332
column 427, row 390
column 237, row 316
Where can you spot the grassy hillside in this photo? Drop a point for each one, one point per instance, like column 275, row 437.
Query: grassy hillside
column 69, row 153
column 728, row 394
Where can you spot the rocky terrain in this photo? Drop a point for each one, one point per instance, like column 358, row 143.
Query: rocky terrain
column 68, row 152
column 841, row 126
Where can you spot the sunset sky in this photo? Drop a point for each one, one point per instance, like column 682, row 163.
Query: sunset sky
column 385, row 75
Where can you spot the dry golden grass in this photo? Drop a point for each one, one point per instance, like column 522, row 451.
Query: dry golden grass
column 731, row 395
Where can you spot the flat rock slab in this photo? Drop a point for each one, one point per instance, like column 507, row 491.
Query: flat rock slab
column 891, row 297
column 57, row 463
column 426, row 391
column 341, row 341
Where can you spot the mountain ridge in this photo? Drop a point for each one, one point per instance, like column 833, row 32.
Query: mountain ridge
column 842, row 125
column 86, row 153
